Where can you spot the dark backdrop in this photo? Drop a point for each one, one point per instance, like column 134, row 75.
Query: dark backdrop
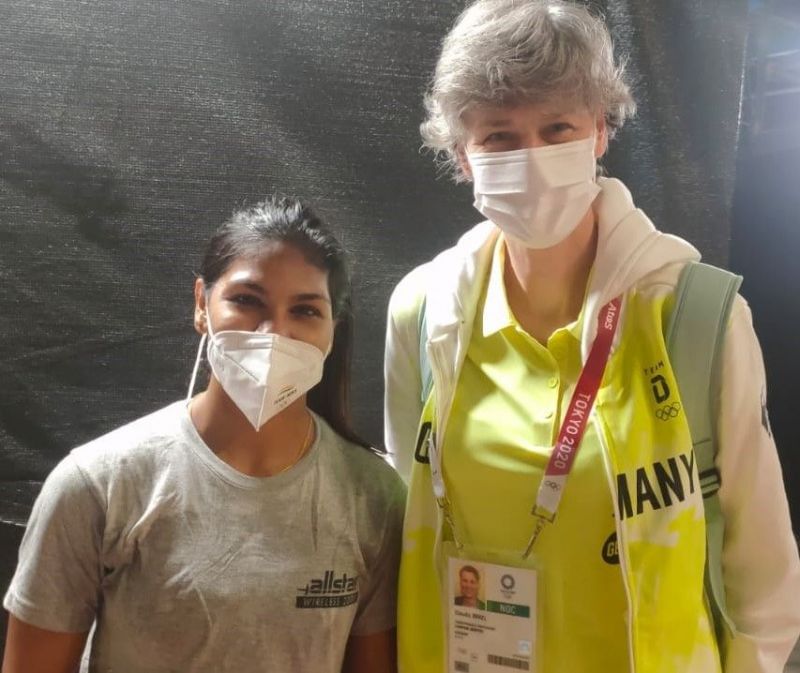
column 765, row 239
column 129, row 131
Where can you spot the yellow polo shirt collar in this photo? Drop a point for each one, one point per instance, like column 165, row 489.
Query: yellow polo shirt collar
column 497, row 314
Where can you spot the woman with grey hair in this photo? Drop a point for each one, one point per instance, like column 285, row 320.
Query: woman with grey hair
column 532, row 398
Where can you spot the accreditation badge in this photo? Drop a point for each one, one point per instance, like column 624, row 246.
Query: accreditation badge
column 492, row 616
column 491, row 599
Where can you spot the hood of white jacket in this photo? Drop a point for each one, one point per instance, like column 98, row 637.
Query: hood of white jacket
column 628, row 248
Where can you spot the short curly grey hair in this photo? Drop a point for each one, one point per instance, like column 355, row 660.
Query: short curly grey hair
column 502, row 52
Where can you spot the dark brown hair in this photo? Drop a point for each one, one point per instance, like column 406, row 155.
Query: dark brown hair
column 287, row 220
column 470, row 569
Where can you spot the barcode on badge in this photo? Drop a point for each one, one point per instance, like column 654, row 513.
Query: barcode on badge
column 508, row 662
column 461, row 666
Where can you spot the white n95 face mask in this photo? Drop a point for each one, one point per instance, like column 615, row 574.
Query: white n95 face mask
column 537, row 195
column 262, row 373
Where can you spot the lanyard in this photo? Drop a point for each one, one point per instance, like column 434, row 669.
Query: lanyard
column 569, row 439
column 570, row 435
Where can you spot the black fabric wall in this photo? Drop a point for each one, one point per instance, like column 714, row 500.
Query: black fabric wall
column 765, row 237
column 128, row 131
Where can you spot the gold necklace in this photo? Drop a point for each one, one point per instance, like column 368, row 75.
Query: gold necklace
column 302, row 449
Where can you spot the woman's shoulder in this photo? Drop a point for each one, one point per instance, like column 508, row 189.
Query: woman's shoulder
column 409, row 292
column 95, row 470
column 364, row 469
column 662, row 280
column 666, row 281
column 138, row 445
column 446, row 267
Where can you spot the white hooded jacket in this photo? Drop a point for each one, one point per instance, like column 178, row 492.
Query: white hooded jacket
column 760, row 558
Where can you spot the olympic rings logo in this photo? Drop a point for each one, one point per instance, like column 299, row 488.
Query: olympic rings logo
column 668, row 411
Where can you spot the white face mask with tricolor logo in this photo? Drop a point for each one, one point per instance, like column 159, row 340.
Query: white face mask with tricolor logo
column 262, row 373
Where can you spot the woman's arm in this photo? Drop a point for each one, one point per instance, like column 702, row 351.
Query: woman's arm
column 759, row 558
column 372, row 643
column 402, row 403
column 55, row 591
column 375, row 653
column 30, row 649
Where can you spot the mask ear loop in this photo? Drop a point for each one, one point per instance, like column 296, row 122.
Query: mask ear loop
column 196, row 367
column 199, row 353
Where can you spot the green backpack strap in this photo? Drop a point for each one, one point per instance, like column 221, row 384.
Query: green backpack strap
column 426, row 376
column 695, row 335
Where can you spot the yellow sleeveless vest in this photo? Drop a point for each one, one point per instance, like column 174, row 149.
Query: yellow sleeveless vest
column 651, row 472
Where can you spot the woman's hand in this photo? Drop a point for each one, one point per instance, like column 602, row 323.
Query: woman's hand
column 376, row 653
column 30, row 649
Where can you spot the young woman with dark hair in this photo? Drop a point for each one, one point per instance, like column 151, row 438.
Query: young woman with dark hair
column 245, row 529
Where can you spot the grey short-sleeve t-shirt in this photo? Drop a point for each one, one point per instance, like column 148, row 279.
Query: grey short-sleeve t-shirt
column 188, row 565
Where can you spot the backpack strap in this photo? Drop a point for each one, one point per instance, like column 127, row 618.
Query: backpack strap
column 426, row 376
column 694, row 337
